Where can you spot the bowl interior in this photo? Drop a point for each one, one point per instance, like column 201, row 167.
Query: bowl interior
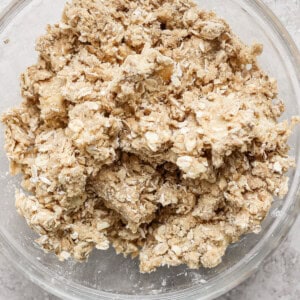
column 105, row 271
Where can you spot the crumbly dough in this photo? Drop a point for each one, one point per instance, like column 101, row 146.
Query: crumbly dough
column 147, row 125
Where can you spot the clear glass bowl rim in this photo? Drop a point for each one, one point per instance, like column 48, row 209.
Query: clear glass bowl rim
column 231, row 277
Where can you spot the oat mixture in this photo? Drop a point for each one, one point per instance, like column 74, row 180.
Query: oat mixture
column 149, row 126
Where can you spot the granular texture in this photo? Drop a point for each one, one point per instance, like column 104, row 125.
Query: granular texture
column 147, row 125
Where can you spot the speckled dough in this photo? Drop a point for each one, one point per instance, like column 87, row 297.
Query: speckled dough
column 147, row 125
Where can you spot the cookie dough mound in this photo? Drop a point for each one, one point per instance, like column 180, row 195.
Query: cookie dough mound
column 147, row 125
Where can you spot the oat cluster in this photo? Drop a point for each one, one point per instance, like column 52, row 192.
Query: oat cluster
column 149, row 126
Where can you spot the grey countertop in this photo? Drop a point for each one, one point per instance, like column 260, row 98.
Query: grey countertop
column 278, row 277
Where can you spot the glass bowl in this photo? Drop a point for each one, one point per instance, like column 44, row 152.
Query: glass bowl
column 106, row 275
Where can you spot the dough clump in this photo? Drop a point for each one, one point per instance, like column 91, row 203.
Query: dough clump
column 148, row 126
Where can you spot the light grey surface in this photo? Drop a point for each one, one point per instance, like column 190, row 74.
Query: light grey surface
column 278, row 278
